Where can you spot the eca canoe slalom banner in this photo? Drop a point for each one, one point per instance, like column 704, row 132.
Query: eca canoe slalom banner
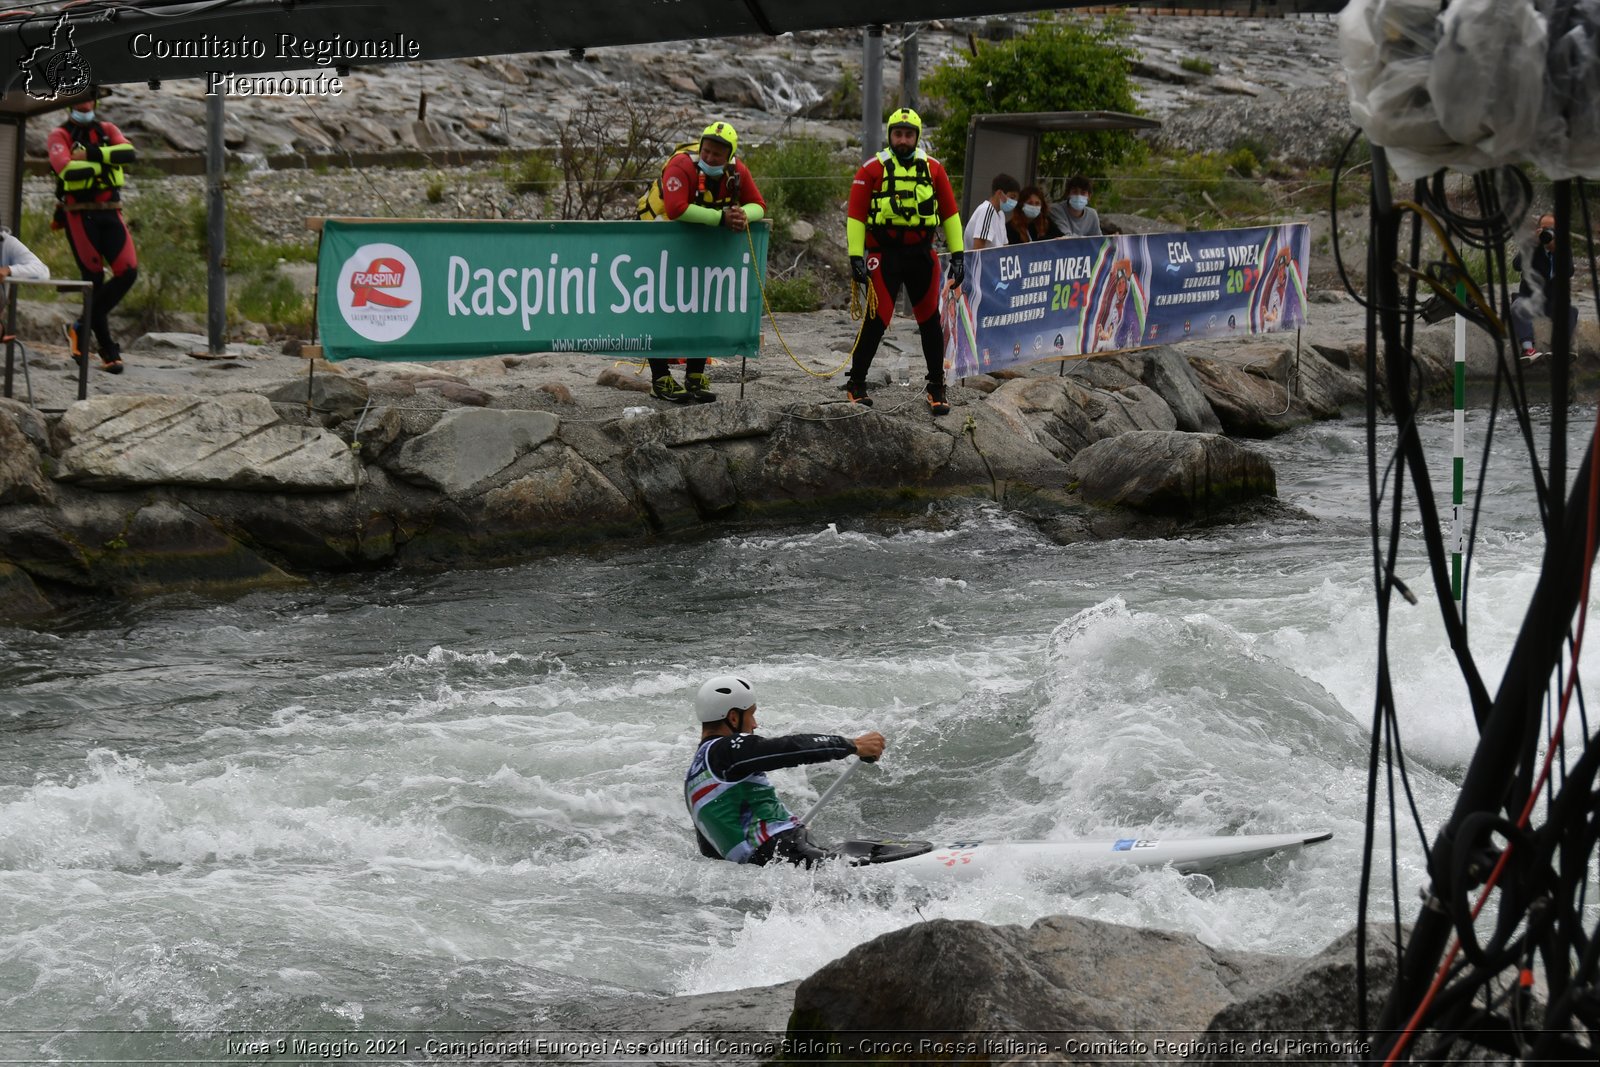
column 1075, row 296
column 419, row 290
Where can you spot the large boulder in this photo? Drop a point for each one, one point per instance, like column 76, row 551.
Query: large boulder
column 818, row 457
column 733, row 89
column 468, row 446
column 1172, row 473
column 1309, row 1012
column 1065, row 415
column 1249, row 405
column 1169, row 374
column 19, row 597
column 129, row 545
column 674, row 427
column 561, row 497
column 663, row 490
column 960, row 982
column 336, row 395
column 234, row 442
column 22, row 479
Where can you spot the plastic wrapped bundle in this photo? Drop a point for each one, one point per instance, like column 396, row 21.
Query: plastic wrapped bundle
column 1488, row 78
column 1479, row 84
column 1387, row 47
column 1568, row 139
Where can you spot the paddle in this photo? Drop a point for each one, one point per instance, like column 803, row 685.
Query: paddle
column 827, row 794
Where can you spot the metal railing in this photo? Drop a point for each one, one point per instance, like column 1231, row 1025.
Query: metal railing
column 87, row 288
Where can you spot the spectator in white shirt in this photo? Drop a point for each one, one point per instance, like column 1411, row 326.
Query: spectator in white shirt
column 987, row 227
column 17, row 259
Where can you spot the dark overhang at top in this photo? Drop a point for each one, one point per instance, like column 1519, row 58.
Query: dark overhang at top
column 111, row 41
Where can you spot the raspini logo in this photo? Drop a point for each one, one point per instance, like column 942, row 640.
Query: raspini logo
column 380, row 293
column 57, row 69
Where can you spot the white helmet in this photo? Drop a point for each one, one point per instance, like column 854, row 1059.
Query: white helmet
column 723, row 694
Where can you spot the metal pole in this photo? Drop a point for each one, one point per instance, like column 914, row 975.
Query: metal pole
column 909, row 87
column 216, row 231
column 872, row 91
column 1458, row 455
column 827, row 794
column 85, row 343
column 11, row 336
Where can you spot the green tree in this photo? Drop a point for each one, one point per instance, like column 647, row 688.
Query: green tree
column 1064, row 64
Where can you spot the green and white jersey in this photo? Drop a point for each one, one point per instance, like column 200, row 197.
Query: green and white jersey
column 730, row 799
column 736, row 817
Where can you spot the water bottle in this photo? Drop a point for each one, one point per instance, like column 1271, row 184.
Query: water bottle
column 903, row 368
column 633, row 413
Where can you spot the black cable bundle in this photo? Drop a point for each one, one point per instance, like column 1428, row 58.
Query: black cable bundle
column 1522, row 838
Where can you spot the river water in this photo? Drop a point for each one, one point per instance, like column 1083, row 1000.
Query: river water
column 429, row 801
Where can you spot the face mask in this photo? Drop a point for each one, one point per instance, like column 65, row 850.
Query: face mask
column 711, row 172
column 1008, row 205
column 82, row 118
column 1078, row 203
column 1031, row 210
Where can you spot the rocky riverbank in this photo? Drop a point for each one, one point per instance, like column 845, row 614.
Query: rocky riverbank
column 1063, row 990
column 798, row 84
column 221, row 475
column 259, row 468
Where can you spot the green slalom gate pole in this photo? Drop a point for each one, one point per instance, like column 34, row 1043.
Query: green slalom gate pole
column 1458, row 462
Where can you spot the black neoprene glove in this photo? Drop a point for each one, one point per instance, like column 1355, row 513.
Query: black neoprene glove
column 958, row 269
column 858, row 270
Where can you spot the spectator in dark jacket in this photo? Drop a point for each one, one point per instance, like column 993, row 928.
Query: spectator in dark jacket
column 1533, row 296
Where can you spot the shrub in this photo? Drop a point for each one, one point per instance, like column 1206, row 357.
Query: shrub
column 1194, row 190
column 611, row 149
column 270, row 298
column 803, row 175
column 1242, row 161
column 795, row 294
column 1197, row 65
column 531, row 173
column 170, row 235
column 1058, row 65
column 435, row 190
column 48, row 245
column 844, row 102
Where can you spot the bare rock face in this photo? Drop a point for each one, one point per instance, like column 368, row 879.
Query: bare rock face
column 956, row 982
column 20, row 596
column 1249, row 405
column 469, row 445
column 22, row 479
column 1172, row 473
column 1068, row 414
column 1309, row 1012
column 236, row 442
column 1170, row 375
column 130, row 545
column 328, row 394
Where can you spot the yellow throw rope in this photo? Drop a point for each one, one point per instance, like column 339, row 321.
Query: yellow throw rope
column 855, row 313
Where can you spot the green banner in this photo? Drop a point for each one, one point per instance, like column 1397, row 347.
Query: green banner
column 419, row 290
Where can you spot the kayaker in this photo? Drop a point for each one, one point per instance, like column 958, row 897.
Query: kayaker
column 737, row 814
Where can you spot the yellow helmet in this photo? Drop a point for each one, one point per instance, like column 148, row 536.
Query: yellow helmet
column 905, row 117
column 721, row 131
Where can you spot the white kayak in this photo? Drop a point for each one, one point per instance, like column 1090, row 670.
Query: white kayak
column 961, row 859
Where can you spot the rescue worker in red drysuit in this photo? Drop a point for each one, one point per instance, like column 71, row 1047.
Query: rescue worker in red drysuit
column 900, row 199
column 712, row 187
column 88, row 156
